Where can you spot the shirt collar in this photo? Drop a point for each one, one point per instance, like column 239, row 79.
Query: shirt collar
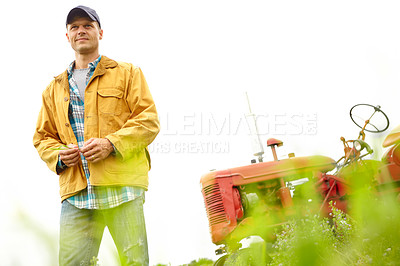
column 92, row 66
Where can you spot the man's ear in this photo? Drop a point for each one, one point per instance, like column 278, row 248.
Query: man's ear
column 100, row 34
column 66, row 34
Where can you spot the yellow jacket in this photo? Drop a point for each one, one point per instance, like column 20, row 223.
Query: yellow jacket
column 119, row 107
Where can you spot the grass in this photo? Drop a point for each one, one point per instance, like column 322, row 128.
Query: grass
column 369, row 234
column 341, row 239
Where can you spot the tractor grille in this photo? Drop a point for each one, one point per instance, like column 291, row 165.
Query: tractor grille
column 214, row 204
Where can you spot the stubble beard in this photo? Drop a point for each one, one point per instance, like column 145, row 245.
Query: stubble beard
column 85, row 49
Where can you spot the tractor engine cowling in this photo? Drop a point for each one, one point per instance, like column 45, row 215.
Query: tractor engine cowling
column 223, row 205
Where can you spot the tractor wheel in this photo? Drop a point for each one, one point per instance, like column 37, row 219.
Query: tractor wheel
column 243, row 257
column 221, row 261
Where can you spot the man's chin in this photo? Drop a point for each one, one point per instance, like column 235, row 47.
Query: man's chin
column 84, row 49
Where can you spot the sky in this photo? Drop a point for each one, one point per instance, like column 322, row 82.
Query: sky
column 303, row 64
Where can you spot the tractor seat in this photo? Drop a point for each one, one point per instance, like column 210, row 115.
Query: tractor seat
column 273, row 142
column 392, row 138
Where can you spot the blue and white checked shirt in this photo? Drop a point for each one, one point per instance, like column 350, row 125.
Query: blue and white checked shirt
column 93, row 197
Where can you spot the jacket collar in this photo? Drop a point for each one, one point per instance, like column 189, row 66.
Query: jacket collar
column 104, row 63
column 92, row 66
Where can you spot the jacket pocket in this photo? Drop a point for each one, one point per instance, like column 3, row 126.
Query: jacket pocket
column 110, row 100
column 136, row 164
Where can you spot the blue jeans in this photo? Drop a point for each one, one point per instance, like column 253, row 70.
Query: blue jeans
column 81, row 231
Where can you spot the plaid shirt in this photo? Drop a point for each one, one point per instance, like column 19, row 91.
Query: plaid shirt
column 93, row 197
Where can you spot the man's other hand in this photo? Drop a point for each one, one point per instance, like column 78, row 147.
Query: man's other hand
column 97, row 149
column 70, row 157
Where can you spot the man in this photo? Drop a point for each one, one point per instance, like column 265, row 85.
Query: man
column 96, row 121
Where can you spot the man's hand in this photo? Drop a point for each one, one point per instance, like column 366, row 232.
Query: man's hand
column 96, row 149
column 71, row 156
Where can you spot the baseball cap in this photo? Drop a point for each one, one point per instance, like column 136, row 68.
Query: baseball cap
column 82, row 11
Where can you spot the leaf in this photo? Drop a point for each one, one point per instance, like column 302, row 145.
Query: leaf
column 62, row 147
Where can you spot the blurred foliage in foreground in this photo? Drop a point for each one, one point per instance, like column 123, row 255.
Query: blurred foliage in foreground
column 341, row 239
column 368, row 234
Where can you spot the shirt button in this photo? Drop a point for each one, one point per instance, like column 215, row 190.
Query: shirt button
column 66, row 99
column 66, row 124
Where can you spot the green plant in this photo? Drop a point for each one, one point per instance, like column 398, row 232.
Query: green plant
column 94, row 261
column 369, row 235
column 200, row 262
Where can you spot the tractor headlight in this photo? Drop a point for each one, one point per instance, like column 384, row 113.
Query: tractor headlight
column 358, row 145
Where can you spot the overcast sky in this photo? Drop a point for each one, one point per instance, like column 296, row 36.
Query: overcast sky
column 304, row 64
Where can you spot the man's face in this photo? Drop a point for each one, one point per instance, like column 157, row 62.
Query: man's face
column 84, row 35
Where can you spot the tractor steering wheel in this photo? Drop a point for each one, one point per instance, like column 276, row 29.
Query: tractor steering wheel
column 371, row 117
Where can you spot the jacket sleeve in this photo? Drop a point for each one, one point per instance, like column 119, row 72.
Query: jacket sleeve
column 45, row 137
column 143, row 125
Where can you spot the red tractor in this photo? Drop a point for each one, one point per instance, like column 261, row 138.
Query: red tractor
column 236, row 198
